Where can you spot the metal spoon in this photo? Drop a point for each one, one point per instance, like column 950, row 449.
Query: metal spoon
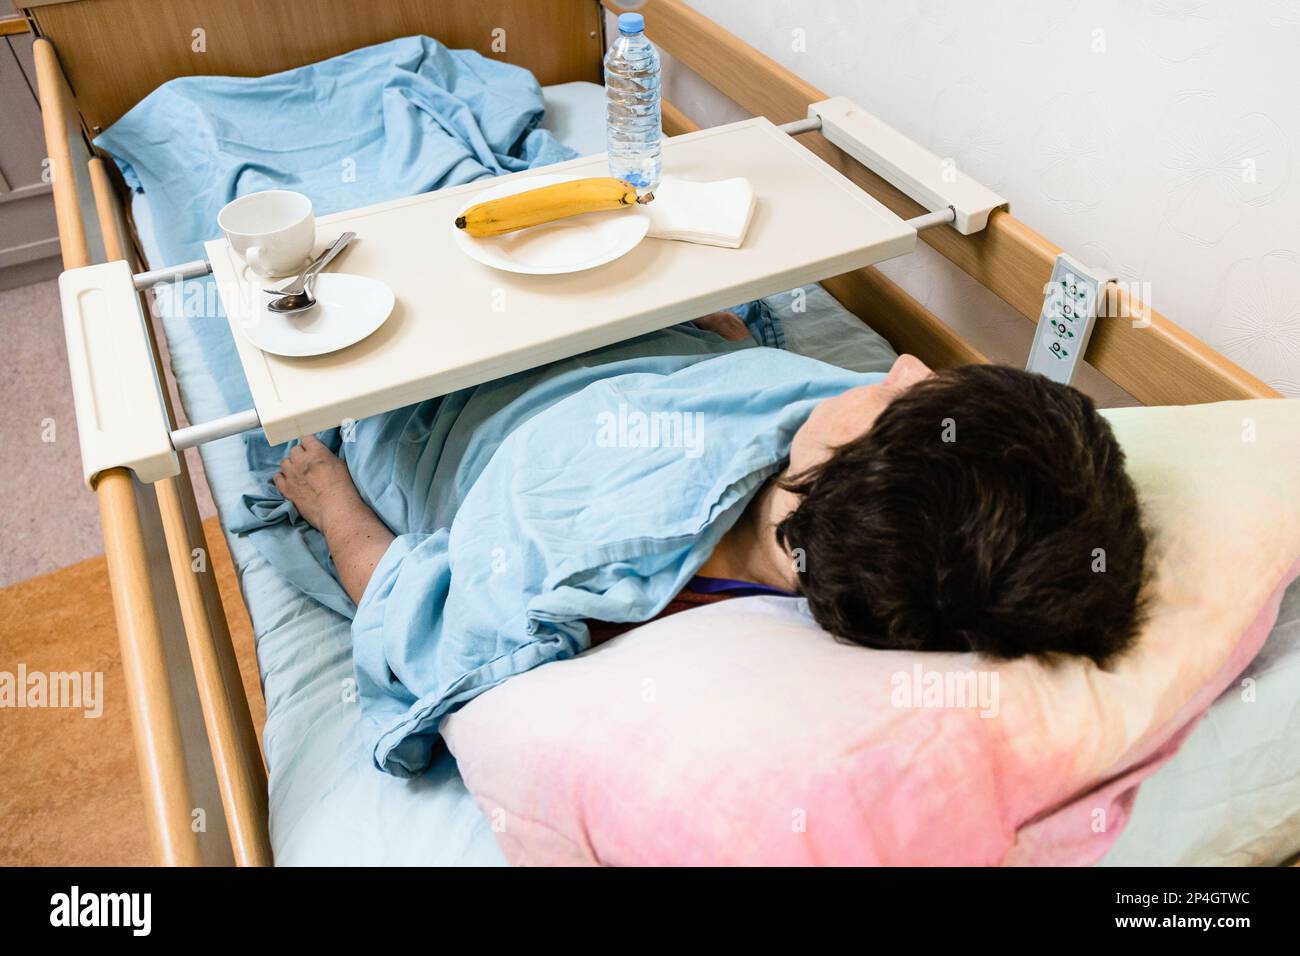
column 299, row 282
column 300, row 301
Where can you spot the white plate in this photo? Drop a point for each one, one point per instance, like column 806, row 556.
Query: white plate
column 348, row 308
column 569, row 245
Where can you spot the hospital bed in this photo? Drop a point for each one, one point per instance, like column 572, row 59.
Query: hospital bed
column 193, row 732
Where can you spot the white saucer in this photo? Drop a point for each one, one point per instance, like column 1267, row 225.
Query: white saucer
column 348, row 308
column 569, row 245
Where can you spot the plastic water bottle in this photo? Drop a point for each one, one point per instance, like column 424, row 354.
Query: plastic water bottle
column 633, row 137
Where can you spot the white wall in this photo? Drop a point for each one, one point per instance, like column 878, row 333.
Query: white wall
column 1155, row 137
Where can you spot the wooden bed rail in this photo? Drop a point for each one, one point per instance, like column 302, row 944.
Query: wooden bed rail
column 1152, row 358
column 236, row 756
column 174, row 690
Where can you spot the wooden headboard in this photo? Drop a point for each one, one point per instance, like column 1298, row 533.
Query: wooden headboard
column 115, row 52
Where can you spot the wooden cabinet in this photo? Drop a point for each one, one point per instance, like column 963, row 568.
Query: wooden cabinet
column 29, row 244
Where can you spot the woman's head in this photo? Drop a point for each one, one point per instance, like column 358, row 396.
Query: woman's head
column 977, row 509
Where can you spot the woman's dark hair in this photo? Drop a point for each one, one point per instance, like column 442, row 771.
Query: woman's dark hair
column 986, row 510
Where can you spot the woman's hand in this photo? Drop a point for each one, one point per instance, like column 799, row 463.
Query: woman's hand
column 725, row 324
column 317, row 482
column 321, row 488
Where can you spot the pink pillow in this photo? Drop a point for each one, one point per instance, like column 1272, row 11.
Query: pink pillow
column 742, row 733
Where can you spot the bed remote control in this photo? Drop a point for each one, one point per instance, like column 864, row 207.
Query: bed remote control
column 1065, row 324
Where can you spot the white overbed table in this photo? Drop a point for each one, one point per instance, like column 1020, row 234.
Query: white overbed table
column 459, row 323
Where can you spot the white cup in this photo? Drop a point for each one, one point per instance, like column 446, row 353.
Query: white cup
column 274, row 231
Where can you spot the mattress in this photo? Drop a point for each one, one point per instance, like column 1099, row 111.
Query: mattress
column 1231, row 795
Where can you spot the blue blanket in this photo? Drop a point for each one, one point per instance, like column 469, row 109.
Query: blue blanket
column 379, row 123
column 593, row 488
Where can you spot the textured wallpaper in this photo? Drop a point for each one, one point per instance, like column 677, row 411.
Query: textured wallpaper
column 1157, row 138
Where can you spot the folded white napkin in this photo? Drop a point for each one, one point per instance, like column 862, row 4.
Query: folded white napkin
column 715, row 214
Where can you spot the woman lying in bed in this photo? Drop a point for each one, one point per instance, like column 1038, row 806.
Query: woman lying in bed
column 978, row 509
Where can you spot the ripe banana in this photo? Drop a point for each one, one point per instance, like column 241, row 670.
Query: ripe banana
column 496, row 217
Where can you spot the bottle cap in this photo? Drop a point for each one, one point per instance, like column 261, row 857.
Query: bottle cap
column 631, row 23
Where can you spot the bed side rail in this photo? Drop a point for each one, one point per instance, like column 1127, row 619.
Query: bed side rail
column 195, row 747
column 233, row 760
